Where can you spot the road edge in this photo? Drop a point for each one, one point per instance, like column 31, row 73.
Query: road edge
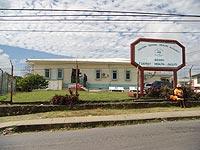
column 88, row 124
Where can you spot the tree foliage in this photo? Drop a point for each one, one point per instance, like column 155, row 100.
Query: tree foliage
column 31, row 82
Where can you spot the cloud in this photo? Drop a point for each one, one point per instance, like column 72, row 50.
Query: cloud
column 95, row 44
column 4, row 61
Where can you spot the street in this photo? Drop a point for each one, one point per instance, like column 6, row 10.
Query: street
column 176, row 135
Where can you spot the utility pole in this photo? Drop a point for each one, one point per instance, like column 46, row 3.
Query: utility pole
column 190, row 76
column 11, row 83
column 1, row 93
column 77, row 76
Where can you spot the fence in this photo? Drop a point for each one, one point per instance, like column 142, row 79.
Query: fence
column 5, row 83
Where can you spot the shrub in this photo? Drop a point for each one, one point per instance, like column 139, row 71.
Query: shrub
column 188, row 92
column 196, row 96
column 31, row 82
column 153, row 93
column 163, row 92
column 68, row 100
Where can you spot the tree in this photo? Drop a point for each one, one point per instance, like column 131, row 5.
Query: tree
column 31, row 82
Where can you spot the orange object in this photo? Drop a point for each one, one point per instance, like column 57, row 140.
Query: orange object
column 178, row 92
column 173, row 98
column 132, row 94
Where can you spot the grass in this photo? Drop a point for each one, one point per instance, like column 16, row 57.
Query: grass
column 93, row 112
column 104, row 96
column 3, row 97
column 45, row 96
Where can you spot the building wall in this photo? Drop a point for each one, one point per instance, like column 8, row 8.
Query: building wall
column 195, row 81
column 89, row 69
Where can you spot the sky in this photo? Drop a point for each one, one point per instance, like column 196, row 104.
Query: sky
column 112, row 40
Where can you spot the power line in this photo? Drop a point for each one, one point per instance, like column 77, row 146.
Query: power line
column 105, row 20
column 193, row 52
column 89, row 23
column 96, row 31
column 99, row 11
column 88, row 15
column 91, row 15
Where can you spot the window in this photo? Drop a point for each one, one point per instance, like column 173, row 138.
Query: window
column 98, row 74
column 60, row 73
column 73, row 75
column 114, row 75
column 198, row 79
column 128, row 75
column 47, row 73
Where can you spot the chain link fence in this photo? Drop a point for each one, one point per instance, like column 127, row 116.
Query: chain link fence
column 5, row 83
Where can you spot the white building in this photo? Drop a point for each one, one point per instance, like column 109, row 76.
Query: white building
column 196, row 81
column 100, row 73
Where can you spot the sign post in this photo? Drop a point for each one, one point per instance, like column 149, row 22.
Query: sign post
column 141, row 82
column 157, row 55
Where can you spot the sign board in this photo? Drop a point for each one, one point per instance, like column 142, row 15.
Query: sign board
column 157, row 54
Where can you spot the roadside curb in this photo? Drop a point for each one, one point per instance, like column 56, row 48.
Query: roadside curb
column 12, row 110
column 104, row 121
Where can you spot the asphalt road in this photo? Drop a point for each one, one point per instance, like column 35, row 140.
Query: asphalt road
column 177, row 135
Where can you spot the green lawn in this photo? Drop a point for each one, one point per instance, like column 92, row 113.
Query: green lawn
column 4, row 97
column 92, row 112
column 42, row 95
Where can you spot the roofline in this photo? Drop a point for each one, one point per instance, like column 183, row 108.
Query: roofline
column 196, row 75
column 97, row 60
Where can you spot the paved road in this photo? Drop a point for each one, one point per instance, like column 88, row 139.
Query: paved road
column 177, row 135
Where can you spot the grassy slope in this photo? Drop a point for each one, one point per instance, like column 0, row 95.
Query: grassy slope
column 42, row 95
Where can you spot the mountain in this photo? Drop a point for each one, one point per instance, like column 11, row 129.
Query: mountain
column 22, row 53
column 19, row 55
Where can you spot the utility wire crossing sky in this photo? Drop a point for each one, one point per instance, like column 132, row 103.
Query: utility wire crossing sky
column 98, row 29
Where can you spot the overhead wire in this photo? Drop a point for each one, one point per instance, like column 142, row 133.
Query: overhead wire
column 99, row 11
column 117, row 14
column 105, row 20
column 4, row 17
column 97, row 31
column 84, row 15
column 94, row 15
